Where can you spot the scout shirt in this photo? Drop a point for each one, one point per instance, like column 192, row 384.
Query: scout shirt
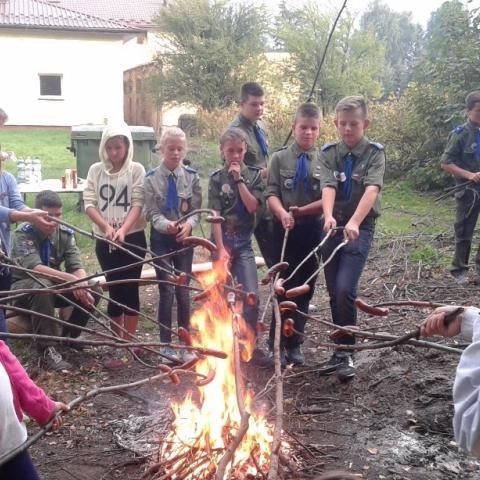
column 223, row 197
column 280, row 177
column 28, row 250
column 461, row 150
column 254, row 156
column 189, row 194
column 368, row 169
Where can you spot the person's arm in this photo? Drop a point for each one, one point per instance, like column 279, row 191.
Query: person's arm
column 185, row 229
column 328, row 201
column 459, row 172
column 250, row 202
column 274, row 192
column 466, row 389
column 131, row 219
column 312, row 209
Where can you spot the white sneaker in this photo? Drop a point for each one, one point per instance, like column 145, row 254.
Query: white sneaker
column 187, row 356
column 173, row 354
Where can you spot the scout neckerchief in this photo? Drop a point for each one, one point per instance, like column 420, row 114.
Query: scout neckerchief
column 348, row 168
column 259, row 135
column 171, row 203
column 301, row 173
column 45, row 250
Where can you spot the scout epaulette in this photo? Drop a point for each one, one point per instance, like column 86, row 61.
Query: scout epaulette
column 215, row 172
column 458, row 129
column 189, row 169
column 378, row 146
column 150, row 172
column 68, row 230
column 255, row 167
column 328, row 145
column 26, row 228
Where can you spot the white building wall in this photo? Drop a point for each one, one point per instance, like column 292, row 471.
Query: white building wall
column 92, row 80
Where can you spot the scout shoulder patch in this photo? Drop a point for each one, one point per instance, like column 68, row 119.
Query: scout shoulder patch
column 328, row 145
column 65, row 229
column 215, row 172
column 25, row 228
column 189, row 169
column 458, row 129
column 150, row 173
column 378, row 146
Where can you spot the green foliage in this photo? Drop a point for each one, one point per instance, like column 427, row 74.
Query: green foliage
column 354, row 62
column 211, row 49
column 448, row 70
column 402, row 39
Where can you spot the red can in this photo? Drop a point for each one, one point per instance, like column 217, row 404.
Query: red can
column 64, row 182
column 74, row 178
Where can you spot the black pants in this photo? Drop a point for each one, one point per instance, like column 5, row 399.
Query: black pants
column 19, row 467
column 302, row 239
column 264, row 232
column 126, row 293
column 5, row 285
column 468, row 209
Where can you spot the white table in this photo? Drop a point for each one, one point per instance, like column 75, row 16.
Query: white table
column 54, row 184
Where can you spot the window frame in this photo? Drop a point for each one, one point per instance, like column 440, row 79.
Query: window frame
column 50, row 97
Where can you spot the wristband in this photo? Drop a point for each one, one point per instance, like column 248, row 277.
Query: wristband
column 240, row 180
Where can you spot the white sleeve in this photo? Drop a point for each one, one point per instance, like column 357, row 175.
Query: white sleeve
column 466, row 390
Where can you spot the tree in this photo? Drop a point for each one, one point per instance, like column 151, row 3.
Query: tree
column 210, row 50
column 402, row 39
column 448, row 70
column 354, row 62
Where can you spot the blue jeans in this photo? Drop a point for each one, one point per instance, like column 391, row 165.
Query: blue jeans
column 19, row 467
column 342, row 275
column 5, row 286
column 243, row 269
column 162, row 244
column 302, row 239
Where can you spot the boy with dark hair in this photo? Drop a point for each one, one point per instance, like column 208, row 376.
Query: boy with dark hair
column 43, row 249
column 293, row 188
column 248, row 120
column 351, row 173
column 461, row 158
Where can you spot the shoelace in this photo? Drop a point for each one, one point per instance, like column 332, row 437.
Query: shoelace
column 54, row 355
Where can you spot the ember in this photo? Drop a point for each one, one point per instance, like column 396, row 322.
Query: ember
column 204, row 432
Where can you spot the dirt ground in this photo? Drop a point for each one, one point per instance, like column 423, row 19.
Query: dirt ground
column 393, row 421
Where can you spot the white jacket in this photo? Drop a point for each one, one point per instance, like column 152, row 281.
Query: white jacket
column 113, row 194
column 466, row 390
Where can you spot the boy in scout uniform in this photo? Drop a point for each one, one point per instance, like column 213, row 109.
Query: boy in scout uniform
column 351, row 173
column 171, row 191
column 236, row 193
column 43, row 249
column 293, row 185
column 248, row 120
column 461, row 158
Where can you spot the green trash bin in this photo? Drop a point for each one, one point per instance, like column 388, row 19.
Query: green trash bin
column 85, row 141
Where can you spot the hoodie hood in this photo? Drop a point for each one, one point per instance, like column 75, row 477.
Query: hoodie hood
column 114, row 130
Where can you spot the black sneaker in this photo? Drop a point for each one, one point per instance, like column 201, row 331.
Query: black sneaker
column 52, row 360
column 346, row 369
column 259, row 357
column 295, row 356
column 331, row 366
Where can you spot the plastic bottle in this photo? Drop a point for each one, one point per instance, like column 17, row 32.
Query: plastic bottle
column 37, row 170
column 21, row 170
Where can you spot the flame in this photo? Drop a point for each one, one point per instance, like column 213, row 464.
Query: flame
column 203, row 430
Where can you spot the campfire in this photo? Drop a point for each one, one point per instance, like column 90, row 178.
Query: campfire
column 218, row 435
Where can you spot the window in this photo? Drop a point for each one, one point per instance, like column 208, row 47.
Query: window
column 50, row 85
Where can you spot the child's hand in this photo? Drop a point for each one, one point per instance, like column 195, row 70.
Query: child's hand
column 474, row 177
column 184, row 231
column 109, row 232
column 119, row 236
column 288, row 222
column 59, row 407
column 434, row 324
column 352, row 231
column 329, row 223
column 234, row 170
column 172, row 228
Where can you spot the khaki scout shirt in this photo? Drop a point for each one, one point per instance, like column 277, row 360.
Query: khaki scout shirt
column 368, row 169
column 460, row 149
column 189, row 194
column 280, row 177
column 223, row 196
column 26, row 249
column 254, row 155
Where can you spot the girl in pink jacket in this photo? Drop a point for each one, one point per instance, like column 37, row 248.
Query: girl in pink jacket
column 18, row 394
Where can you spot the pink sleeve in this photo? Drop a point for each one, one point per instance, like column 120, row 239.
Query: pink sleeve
column 32, row 399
